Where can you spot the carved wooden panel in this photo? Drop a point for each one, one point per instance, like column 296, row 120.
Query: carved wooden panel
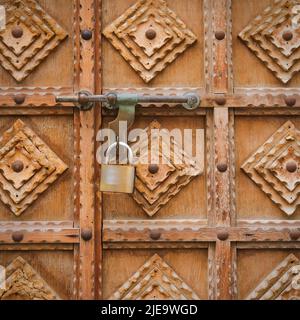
column 29, row 37
column 283, row 283
column 274, row 167
column 154, row 189
column 155, row 280
column 275, row 40
column 27, row 167
column 34, row 43
column 149, row 36
column 22, row 281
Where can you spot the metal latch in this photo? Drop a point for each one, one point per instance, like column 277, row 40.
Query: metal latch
column 126, row 103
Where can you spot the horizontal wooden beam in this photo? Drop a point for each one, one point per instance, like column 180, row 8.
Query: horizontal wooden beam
column 239, row 100
column 195, row 231
column 38, row 232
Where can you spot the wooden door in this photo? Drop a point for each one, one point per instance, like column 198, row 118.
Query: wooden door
column 47, row 172
column 226, row 227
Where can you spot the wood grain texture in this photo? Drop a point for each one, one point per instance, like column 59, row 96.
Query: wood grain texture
column 153, row 191
column 176, row 259
column 260, row 63
column 270, row 164
column 219, row 237
column 281, row 284
column 87, row 151
column 50, row 268
column 274, row 274
column 252, row 133
column 41, row 34
column 264, row 36
column 175, row 75
column 23, row 281
column 154, row 280
column 149, row 56
column 39, row 167
column 195, row 231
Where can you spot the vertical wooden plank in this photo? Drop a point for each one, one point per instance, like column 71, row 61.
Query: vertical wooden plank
column 98, row 123
column 76, row 52
column 223, row 260
column 221, row 84
column 222, row 173
column 208, row 36
column 220, row 64
column 87, row 153
column 210, row 199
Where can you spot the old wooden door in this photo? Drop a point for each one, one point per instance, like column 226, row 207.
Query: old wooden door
column 225, row 229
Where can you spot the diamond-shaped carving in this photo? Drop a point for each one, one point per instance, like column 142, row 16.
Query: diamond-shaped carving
column 290, row 179
column 151, row 180
column 153, row 191
column 265, row 37
column 149, row 55
column 22, row 281
column 39, row 35
column 155, row 280
column 283, row 283
column 268, row 167
column 27, row 167
column 150, row 46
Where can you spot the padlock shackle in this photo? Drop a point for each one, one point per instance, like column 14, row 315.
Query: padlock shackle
column 114, row 145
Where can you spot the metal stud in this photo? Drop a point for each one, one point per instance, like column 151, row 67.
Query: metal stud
column 17, row 32
column 287, row 35
column 221, row 101
column 220, row 35
column 86, row 34
column 155, row 234
column 222, row 167
column 150, row 34
column 17, row 236
column 223, row 235
column 153, row 168
column 86, row 234
column 294, row 234
column 291, row 166
column 19, row 99
column 17, row 166
column 290, row 101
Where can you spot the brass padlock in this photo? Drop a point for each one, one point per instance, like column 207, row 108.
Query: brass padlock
column 118, row 178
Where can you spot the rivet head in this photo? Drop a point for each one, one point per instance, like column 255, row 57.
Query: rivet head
column 17, row 236
column 287, row 35
column 222, row 167
column 295, row 234
column 220, row 35
column 83, row 98
column 150, row 34
column 221, row 101
column 19, row 99
column 17, row 32
column 291, row 166
column 223, row 235
column 155, row 234
column 153, row 168
column 86, row 34
column 17, row 166
column 86, row 234
column 112, row 99
column 290, row 101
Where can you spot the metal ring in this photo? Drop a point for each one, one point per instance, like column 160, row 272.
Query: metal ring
column 123, row 144
column 193, row 101
column 87, row 105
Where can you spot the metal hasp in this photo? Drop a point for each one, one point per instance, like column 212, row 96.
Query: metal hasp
column 84, row 100
column 126, row 103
